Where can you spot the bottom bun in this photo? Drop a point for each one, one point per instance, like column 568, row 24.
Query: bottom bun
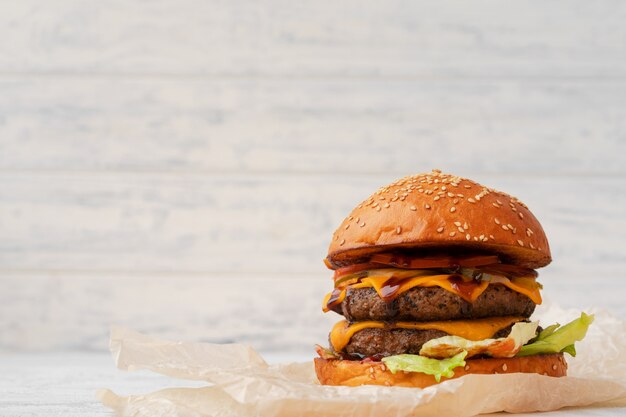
column 354, row 373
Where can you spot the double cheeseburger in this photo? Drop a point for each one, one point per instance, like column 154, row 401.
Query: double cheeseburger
column 435, row 277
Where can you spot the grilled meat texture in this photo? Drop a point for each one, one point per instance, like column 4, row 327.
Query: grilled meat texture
column 433, row 304
column 379, row 343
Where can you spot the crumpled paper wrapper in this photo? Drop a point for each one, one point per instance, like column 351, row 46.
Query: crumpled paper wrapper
column 241, row 383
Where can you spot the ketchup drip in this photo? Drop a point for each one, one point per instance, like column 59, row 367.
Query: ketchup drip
column 465, row 288
column 334, row 298
column 389, row 291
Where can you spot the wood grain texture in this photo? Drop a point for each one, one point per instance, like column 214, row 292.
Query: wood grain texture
column 73, row 311
column 394, row 127
column 244, row 257
column 326, row 38
column 106, row 222
column 179, row 167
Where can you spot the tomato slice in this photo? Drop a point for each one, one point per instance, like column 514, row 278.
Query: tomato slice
column 353, row 269
column 406, row 262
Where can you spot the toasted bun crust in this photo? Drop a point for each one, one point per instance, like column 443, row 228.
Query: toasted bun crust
column 438, row 210
column 354, row 373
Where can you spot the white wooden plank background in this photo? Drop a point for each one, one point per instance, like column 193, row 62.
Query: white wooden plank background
column 179, row 167
column 392, row 126
column 485, row 38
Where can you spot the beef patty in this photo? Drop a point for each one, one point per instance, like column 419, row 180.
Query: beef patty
column 374, row 342
column 433, row 304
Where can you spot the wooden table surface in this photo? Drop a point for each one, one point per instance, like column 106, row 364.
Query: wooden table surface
column 64, row 384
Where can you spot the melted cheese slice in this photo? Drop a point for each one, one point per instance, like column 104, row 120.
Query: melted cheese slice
column 525, row 285
column 479, row 329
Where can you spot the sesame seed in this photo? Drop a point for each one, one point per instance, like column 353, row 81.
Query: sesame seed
column 457, row 223
column 443, row 188
column 531, row 246
column 358, row 219
column 495, row 205
column 460, row 195
column 519, row 242
column 476, row 238
column 452, row 233
column 342, row 242
column 521, row 216
column 505, row 227
column 467, row 236
column 491, row 237
column 496, row 220
column 387, row 205
column 398, row 230
column 413, row 208
column 436, row 198
column 456, row 200
column 450, row 194
column 498, row 201
column 460, row 229
column 467, row 367
column 465, row 226
column 554, row 367
column 504, row 367
column 427, row 206
column 378, row 208
column 440, row 229
column 467, row 186
column 452, row 209
column 362, row 224
column 481, row 237
column 471, row 200
column 347, row 226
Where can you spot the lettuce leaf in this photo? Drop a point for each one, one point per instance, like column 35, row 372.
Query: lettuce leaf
column 555, row 339
column 417, row 363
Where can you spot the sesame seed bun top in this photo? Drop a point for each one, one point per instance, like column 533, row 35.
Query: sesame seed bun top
column 436, row 210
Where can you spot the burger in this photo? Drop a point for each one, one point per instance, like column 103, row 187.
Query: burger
column 435, row 277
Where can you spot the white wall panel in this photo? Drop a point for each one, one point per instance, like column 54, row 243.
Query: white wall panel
column 313, row 126
column 179, row 166
column 257, row 223
column 484, row 38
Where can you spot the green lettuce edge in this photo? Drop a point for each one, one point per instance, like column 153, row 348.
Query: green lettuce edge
column 417, row 363
column 556, row 338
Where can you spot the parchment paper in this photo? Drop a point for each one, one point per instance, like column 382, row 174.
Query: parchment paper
column 241, row 383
